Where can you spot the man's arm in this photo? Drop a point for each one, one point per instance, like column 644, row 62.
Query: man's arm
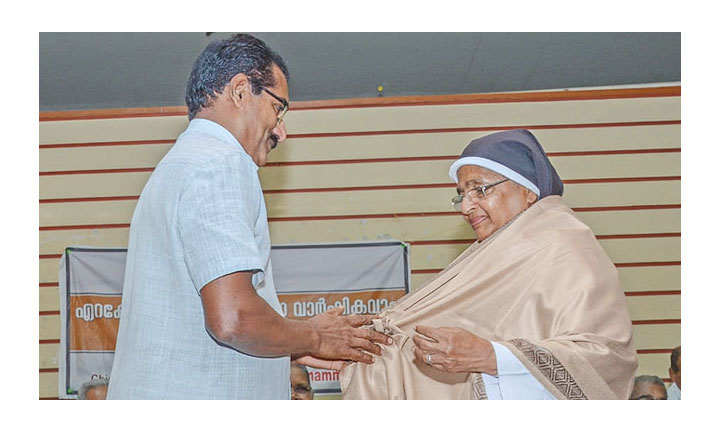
column 236, row 316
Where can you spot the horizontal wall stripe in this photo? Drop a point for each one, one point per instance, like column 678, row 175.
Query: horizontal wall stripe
column 630, row 207
column 648, row 264
column 482, row 129
column 318, row 149
column 49, row 285
column 361, row 216
column 48, row 370
column 656, row 322
column 370, row 188
column 634, row 236
column 540, row 96
column 651, row 293
column 447, row 227
column 376, row 160
column 655, row 351
column 65, row 227
column 329, row 123
column 109, row 143
column 393, row 132
column 90, row 199
column 98, row 171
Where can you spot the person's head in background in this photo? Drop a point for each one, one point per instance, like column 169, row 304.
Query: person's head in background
column 300, row 382
column 674, row 369
column 648, row 387
column 94, row 390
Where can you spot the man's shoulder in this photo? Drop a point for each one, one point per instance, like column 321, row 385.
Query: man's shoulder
column 198, row 150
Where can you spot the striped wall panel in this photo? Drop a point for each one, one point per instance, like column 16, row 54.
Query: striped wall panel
column 368, row 170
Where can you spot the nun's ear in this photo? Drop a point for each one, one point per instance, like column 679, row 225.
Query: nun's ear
column 530, row 196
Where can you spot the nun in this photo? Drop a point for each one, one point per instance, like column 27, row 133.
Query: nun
column 532, row 310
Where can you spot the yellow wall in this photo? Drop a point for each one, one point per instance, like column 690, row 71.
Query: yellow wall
column 355, row 171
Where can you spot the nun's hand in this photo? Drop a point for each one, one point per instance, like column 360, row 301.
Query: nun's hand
column 454, row 350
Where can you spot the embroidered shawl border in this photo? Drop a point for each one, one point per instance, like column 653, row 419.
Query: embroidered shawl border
column 551, row 368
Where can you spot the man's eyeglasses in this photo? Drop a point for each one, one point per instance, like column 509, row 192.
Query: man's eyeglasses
column 284, row 108
column 475, row 194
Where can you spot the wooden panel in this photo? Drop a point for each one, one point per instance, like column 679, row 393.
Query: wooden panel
column 450, row 227
column 519, row 114
column 376, row 201
column 108, row 130
column 49, row 269
column 642, row 249
column 106, row 157
column 48, row 385
column 632, row 221
column 49, row 327
column 366, row 175
column 452, row 143
column 49, row 356
column 654, row 307
column 55, row 242
column 482, row 115
column 660, row 278
column 87, row 213
column 436, row 172
column 656, row 336
column 92, row 185
column 442, row 144
column 49, row 298
column 654, row 364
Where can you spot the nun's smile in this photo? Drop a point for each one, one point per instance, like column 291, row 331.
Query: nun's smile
column 488, row 208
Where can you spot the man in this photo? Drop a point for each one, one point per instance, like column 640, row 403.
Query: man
column 200, row 315
column 300, row 382
column 674, row 370
column 648, row 387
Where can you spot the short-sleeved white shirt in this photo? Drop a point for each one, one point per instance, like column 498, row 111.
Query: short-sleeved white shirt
column 200, row 216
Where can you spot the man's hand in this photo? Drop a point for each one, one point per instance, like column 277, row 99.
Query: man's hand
column 339, row 338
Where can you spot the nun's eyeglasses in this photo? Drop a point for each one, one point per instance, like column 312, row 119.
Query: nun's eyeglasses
column 474, row 195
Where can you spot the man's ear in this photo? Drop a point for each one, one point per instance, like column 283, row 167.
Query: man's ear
column 238, row 88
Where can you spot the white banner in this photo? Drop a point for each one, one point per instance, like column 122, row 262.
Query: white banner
column 309, row 279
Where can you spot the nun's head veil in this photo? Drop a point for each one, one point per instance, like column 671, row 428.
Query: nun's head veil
column 515, row 154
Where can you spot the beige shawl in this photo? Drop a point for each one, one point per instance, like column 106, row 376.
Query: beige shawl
column 543, row 287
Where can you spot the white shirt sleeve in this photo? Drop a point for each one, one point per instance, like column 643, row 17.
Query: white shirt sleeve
column 513, row 380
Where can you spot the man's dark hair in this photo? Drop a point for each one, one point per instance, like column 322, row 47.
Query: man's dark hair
column 674, row 355
column 223, row 59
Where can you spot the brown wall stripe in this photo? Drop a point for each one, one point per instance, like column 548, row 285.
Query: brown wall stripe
column 106, row 143
column 377, row 160
column 541, row 96
column 363, row 216
column 367, row 188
